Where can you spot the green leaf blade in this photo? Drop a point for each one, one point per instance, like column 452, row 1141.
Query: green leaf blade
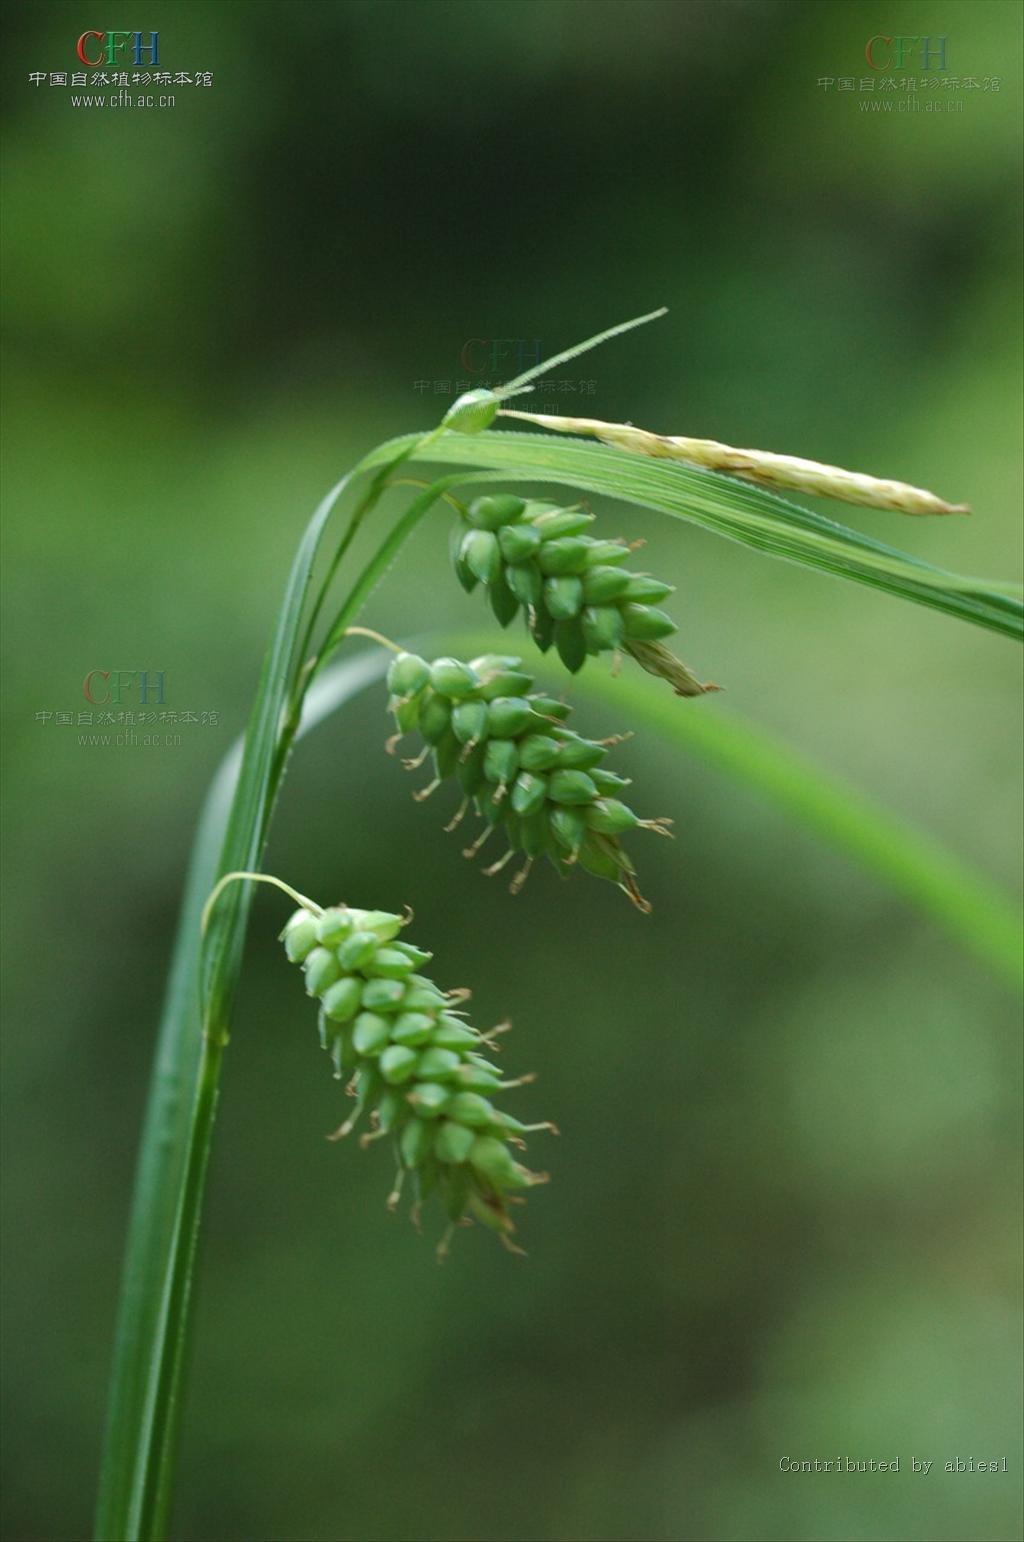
column 741, row 512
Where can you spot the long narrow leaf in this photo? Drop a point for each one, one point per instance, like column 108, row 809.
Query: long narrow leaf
column 147, row 1363
column 169, row 1111
column 161, row 1161
column 742, row 512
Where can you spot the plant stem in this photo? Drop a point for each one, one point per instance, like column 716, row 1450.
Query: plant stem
column 151, row 1346
column 150, row 1512
column 377, row 637
column 181, row 1068
column 153, row 1319
column 286, row 888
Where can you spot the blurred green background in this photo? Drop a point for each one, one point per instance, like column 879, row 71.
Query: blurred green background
column 783, row 1216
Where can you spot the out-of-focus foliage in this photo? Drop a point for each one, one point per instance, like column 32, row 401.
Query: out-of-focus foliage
column 781, row 1221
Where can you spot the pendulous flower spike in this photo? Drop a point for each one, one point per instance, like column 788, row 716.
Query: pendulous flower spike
column 417, row 1071
column 524, row 771
column 570, row 586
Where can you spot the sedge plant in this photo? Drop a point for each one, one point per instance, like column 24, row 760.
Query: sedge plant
column 418, row 1071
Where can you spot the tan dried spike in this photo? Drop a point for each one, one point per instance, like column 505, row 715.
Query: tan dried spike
column 804, row 476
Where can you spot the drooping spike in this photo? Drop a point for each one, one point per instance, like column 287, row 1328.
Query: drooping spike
column 418, row 1075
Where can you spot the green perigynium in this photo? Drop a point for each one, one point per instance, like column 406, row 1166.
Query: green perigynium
column 416, row 1067
column 571, row 586
column 473, row 412
column 528, row 776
